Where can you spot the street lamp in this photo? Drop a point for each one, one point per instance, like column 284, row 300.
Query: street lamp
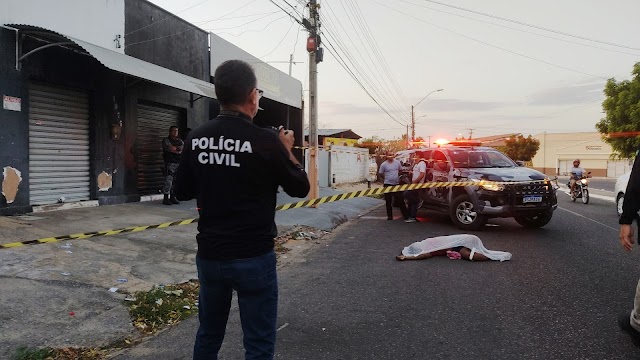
column 413, row 115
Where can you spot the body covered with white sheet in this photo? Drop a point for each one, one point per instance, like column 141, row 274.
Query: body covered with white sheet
column 451, row 241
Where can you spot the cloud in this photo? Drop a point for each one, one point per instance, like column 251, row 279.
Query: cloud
column 568, row 95
column 448, row 105
column 338, row 108
column 433, row 106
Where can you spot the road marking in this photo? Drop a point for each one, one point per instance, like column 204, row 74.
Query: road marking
column 299, row 204
column 595, row 196
column 590, row 219
column 282, row 327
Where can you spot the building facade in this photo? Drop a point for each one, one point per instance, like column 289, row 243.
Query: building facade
column 89, row 94
column 558, row 151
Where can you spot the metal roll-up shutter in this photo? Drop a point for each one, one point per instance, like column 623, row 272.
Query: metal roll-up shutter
column 58, row 145
column 153, row 126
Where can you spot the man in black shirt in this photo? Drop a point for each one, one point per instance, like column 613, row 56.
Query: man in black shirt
column 234, row 169
column 171, row 150
column 630, row 207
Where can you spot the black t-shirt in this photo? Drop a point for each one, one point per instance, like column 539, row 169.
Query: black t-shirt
column 631, row 203
column 167, row 155
column 234, row 169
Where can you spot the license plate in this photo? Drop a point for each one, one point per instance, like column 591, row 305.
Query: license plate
column 531, row 199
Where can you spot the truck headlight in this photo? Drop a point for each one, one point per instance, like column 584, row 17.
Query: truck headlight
column 492, row 187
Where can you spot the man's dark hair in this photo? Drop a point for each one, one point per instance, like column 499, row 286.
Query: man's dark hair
column 172, row 127
column 234, row 80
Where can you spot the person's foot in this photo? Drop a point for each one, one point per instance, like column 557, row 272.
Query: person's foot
column 410, row 220
column 400, row 257
column 624, row 322
column 174, row 200
column 166, row 200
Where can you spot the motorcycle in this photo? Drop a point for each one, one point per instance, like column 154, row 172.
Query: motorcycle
column 581, row 189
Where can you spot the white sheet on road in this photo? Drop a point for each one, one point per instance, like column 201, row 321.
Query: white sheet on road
column 451, row 241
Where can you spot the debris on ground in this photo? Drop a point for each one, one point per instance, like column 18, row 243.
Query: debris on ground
column 162, row 306
column 299, row 233
column 69, row 353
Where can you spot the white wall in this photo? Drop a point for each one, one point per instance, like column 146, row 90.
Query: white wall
column 349, row 166
column 94, row 21
column 276, row 85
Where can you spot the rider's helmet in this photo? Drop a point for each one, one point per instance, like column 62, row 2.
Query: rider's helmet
column 576, row 162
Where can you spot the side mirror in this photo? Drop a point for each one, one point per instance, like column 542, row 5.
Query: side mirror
column 519, row 162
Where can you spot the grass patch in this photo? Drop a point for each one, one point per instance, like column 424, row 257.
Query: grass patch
column 163, row 306
column 25, row 353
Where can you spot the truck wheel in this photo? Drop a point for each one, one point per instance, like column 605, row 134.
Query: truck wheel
column 464, row 215
column 535, row 221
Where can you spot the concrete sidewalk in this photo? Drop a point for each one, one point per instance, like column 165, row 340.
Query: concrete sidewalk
column 42, row 284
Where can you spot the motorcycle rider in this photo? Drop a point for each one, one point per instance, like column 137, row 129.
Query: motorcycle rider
column 576, row 174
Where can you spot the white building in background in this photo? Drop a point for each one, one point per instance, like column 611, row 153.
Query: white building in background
column 558, row 150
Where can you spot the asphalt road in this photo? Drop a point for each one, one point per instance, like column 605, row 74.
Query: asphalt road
column 595, row 184
column 558, row 297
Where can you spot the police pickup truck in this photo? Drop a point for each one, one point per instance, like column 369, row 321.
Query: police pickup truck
column 530, row 200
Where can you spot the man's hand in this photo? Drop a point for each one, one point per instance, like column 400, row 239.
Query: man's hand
column 287, row 138
column 626, row 237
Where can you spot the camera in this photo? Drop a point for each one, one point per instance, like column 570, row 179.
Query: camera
column 277, row 129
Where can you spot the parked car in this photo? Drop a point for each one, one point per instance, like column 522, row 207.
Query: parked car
column 621, row 187
column 531, row 200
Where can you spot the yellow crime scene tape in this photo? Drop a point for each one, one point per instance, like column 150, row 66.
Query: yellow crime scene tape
column 335, row 151
column 295, row 205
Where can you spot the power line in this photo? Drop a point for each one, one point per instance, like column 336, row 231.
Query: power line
column 495, row 46
column 376, row 51
column 358, row 69
column 280, row 42
column 390, row 102
column 286, row 12
column 251, row 30
column 232, row 18
column 521, row 30
column 365, row 83
column 295, row 9
column 165, row 18
column 197, row 28
column 531, row 25
column 251, row 22
column 346, row 67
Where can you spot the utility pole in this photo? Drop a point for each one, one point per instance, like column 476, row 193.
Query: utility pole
column 413, row 115
column 407, row 136
column 315, row 56
column 288, row 109
column 413, row 124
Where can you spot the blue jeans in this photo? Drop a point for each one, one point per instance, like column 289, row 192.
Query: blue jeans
column 413, row 197
column 256, row 282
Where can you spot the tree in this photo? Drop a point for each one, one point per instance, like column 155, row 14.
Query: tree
column 379, row 146
column 521, row 148
column 373, row 143
column 621, row 126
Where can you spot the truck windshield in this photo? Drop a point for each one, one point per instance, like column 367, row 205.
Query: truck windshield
column 473, row 158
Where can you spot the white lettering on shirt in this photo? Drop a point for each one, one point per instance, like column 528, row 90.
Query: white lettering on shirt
column 227, row 158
